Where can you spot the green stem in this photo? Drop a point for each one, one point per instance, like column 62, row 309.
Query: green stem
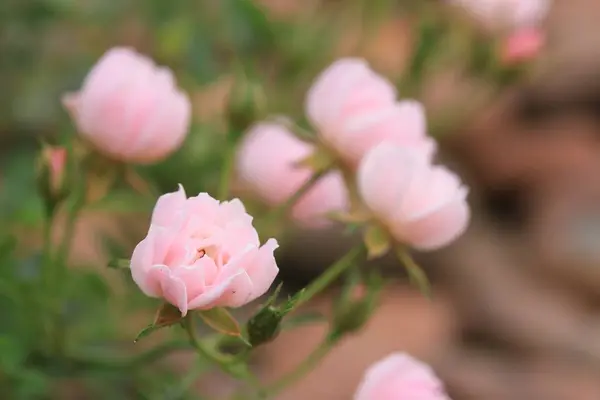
column 226, row 172
column 306, row 366
column 283, row 209
column 59, row 277
column 330, row 275
column 47, row 301
column 207, row 352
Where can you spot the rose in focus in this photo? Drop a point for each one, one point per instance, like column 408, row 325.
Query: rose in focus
column 400, row 377
column 130, row 109
column 201, row 253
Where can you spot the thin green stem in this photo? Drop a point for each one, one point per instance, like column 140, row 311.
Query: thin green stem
column 59, row 276
column 330, row 275
column 47, row 301
column 226, row 172
column 207, row 352
column 306, row 366
column 289, row 203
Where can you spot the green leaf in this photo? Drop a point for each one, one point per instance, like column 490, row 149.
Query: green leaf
column 119, row 263
column 166, row 315
column 377, row 241
column 221, row 321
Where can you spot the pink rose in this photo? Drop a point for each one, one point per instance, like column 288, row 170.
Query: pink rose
column 266, row 165
column 354, row 109
column 522, row 45
column 506, row 14
column 400, row 377
column 200, row 253
column 421, row 204
column 130, row 109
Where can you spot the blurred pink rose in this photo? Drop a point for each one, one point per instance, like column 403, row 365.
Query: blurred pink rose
column 400, row 377
column 130, row 109
column 354, row 109
column 421, row 204
column 506, row 14
column 522, row 45
column 266, row 165
column 200, row 254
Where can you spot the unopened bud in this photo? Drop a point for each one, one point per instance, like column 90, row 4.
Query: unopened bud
column 521, row 46
column 264, row 326
column 52, row 176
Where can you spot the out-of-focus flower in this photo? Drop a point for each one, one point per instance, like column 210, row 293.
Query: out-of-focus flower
column 267, row 164
column 354, row 109
column 130, row 109
column 200, row 253
column 400, row 377
column 52, row 175
column 420, row 204
column 522, row 45
column 506, row 14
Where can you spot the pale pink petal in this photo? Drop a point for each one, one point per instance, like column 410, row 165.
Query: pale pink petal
column 437, row 229
column 197, row 276
column 212, row 295
column 400, row 376
column 384, row 176
column 130, row 109
column 140, row 265
column 265, row 162
column 324, row 99
column 239, row 291
column 169, row 207
column 329, row 194
column 175, row 292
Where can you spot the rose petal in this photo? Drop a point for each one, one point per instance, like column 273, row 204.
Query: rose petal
column 169, row 207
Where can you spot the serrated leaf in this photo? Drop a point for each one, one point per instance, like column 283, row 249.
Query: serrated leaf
column 377, row 241
column 221, row 321
column 119, row 263
column 166, row 315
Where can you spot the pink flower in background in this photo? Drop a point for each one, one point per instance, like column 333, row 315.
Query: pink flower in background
column 201, row 253
column 522, row 45
column 130, row 109
column 354, row 109
column 400, row 377
column 421, row 204
column 266, row 164
column 506, row 14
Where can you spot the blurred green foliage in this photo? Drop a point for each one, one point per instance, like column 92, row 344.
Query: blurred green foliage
column 46, row 49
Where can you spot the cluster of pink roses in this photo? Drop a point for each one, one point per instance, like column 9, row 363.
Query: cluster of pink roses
column 201, row 253
column 373, row 136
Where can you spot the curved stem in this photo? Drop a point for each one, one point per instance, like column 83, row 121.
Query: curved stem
column 207, row 352
column 330, row 275
column 289, row 203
